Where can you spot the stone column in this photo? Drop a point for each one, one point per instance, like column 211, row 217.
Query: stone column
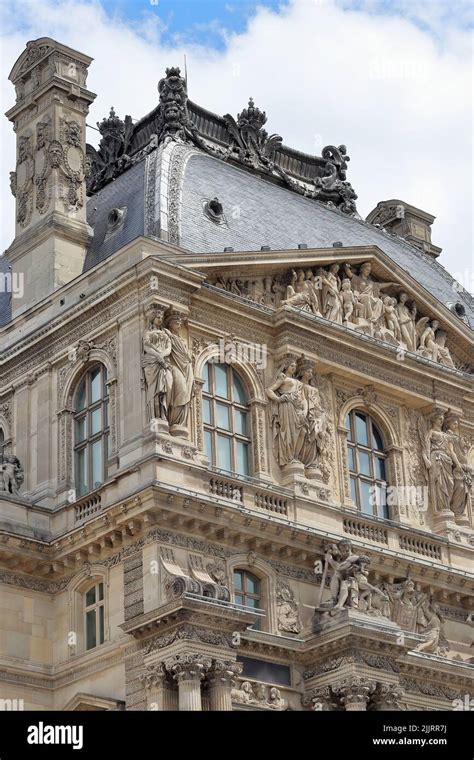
column 354, row 693
column 221, row 679
column 188, row 670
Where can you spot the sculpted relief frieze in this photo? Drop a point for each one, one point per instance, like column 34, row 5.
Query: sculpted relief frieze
column 402, row 603
column 356, row 300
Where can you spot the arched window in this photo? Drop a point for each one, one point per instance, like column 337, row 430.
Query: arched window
column 367, row 465
column 247, row 591
column 91, row 430
column 226, row 417
column 94, row 612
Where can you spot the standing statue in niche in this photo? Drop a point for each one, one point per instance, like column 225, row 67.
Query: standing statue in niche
column 462, row 473
column 299, row 424
column 288, row 413
column 317, row 424
column 441, row 461
column 156, row 365
column 182, row 387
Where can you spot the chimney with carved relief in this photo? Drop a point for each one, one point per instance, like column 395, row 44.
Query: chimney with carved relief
column 49, row 183
column 409, row 222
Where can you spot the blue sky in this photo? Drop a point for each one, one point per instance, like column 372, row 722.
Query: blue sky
column 203, row 22
column 208, row 22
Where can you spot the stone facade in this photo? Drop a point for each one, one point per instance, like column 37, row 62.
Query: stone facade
column 271, row 585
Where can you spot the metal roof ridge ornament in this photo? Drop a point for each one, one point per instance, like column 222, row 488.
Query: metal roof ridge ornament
column 173, row 120
column 111, row 158
column 250, row 143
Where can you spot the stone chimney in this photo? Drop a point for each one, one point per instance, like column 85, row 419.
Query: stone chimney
column 49, row 184
column 409, row 222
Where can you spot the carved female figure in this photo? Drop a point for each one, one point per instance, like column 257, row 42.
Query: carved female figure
column 301, row 291
column 439, row 458
column 406, row 320
column 182, row 387
column 462, row 475
column 316, row 429
column 156, row 367
column 288, row 414
column 331, row 303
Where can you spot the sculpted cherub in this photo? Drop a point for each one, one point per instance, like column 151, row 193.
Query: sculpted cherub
column 12, row 475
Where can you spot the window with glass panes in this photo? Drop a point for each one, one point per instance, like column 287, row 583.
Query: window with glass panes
column 226, row 417
column 91, row 430
column 247, row 591
column 367, row 464
column 94, row 612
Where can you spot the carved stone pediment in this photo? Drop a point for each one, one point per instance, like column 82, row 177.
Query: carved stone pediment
column 370, row 296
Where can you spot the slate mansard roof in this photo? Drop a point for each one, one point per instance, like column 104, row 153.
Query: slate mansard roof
column 256, row 212
column 154, row 178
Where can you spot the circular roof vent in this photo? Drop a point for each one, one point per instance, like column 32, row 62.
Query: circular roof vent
column 115, row 218
column 214, row 210
column 457, row 308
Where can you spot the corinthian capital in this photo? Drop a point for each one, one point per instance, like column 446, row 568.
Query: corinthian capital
column 188, row 666
column 388, row 696
column 153, row 675
column 225, row 671
column 354, row 691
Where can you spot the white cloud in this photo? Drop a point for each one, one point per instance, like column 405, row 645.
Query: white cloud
column 391, row 92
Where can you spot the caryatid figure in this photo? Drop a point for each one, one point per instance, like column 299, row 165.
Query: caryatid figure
column 182, row 387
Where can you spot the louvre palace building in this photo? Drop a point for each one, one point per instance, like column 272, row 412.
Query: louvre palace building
column 236, row 420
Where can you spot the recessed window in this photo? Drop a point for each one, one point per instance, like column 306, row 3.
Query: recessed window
column 94, row 612
column 2, row 445
column 247, row 591
column 367, row 464
column 91, row 430
column 226, row 417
